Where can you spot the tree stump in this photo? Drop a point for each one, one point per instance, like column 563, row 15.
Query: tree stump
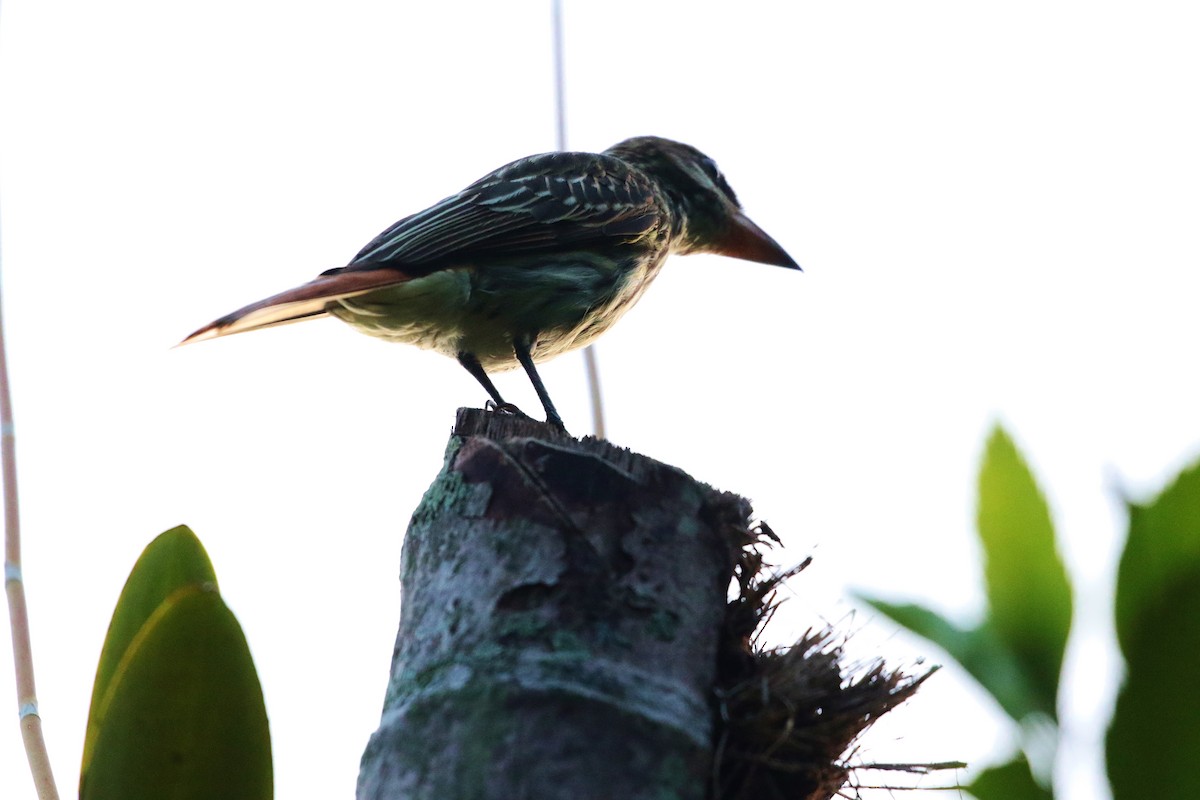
column 562, row 602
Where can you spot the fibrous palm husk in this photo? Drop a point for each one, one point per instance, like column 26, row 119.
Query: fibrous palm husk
column 788, row 717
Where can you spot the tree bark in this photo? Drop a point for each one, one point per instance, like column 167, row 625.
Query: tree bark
column 562, row 602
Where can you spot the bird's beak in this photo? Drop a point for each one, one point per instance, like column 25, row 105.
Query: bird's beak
column 747, row 241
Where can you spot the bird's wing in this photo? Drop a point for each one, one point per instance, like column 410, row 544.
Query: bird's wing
column 555, row 200
column 546, row 201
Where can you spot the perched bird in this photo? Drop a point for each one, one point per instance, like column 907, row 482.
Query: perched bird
column 535, row 259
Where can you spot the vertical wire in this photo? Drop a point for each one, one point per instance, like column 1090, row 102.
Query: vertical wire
column 560, row 118
column 560, row 114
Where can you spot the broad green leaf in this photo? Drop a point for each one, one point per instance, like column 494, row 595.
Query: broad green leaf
column 1011, row 781
column 980, row 652
column 184, row 717
column 1154, row 738
column 1027, row 588
column 1164, row 542
column 174, row 560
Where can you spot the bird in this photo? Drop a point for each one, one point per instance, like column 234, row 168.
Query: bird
column 533, row 260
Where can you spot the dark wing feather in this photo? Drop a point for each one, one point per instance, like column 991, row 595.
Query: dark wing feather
column 541, row 202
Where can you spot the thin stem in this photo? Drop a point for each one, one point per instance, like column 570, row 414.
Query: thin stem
column 593, row 378
column 590, row 362
column 14, row 587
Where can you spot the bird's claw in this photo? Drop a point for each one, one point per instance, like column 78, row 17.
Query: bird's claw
column 511, row 410
column 505, row 408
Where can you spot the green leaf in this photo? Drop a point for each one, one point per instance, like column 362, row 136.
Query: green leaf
column 174, row 560
column 1163, row 543
column 1154, row 737
column 1155, row 733
column 1011, row 781
column 979, row 650
column 184, row 717
column 1027, row 588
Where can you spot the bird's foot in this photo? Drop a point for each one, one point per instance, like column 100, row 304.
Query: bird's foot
column 505, row 408
column 553, row 420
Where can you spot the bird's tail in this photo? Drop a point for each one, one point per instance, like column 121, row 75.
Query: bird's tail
column 304, row 302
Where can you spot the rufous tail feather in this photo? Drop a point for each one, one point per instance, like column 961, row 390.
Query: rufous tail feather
column 304, row 302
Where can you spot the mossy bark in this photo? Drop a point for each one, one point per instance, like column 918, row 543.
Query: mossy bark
column 562, row 605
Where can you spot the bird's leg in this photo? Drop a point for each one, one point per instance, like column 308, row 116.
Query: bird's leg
column 522, row 345
column 472, row 365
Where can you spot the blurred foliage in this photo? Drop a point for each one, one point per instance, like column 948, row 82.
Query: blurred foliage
column 978, row 650
column 1011, row 781
column 1155, row 733
column 1029, row 599
column 1016, row 652
column 1163, row 547
column 177, row 710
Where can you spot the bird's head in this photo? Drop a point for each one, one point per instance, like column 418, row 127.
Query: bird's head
column 709, row 218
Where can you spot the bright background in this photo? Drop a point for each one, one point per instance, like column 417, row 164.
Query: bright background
column 996, row 208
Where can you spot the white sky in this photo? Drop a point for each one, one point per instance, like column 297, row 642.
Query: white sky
column 996, row 207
